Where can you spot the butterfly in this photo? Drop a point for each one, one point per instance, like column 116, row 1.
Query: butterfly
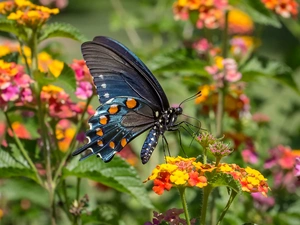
column 132, row 101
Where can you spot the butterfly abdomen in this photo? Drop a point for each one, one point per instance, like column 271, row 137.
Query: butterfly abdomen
column 149, row 144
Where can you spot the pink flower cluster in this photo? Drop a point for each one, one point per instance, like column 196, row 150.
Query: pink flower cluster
column 210, row 13
column 84, row 87
column 227, row 70
column 202, row 46
column 284, row 8
column 14, row 85
column 282, row 164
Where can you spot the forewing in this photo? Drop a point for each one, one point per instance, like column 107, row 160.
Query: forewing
column 118, row 72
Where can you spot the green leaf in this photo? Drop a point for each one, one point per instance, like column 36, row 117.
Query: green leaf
column 116, row 174
column 260, row 14
column 61, row 30
column 42, row 78
column 223, row 179
column 107, row 214
column 269, row 69
column 66, row 79
column 10, row 26
column 14, row 165
column 178, row 61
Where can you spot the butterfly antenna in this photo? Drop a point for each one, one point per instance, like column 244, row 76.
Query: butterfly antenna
column 198, row 94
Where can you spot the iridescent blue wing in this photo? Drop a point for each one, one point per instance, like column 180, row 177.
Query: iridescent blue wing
column 115, row 124
column 118, row 72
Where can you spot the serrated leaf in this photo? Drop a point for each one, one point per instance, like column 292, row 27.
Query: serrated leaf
column 116, row 174
column 66, row 79
column 11, row 27
column 14, row 166
column 223, row 179
column 61, row 30
column 260, row 14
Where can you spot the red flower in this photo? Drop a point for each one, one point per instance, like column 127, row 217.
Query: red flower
column 162, row 183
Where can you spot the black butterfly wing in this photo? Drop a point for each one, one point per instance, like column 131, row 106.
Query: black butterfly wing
column 115, row 124
column 118, row 72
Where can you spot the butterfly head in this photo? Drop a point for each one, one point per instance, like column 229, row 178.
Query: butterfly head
column 178, row 110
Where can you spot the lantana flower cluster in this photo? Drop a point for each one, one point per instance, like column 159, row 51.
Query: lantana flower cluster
column 186, row 172
column 26, row 13
column 178, row 171
column 251, row 180
column 284, row 8
column 224, row 69
column 210, row 13
column 83, row 79
column 14, row 85
column 282, row 163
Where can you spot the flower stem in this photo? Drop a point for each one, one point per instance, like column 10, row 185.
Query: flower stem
column 184, row 204
column 230, row 200
column 221, row 94
column 206, row 192
column 67, row 154
column 23, row 151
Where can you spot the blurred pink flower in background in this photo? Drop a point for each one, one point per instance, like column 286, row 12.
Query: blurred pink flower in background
column 224, row 67
column 58, row 3
column 84, row 90
column 297, row 167
column 262, row 202
column 282, row 164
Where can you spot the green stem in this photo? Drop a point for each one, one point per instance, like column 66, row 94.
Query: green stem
column 230, row 200
column 25, row 58
column 221, row 94
column 67, row 154
column 78, row 188
column 184, row 204
column 23, row 151
column 206, row 192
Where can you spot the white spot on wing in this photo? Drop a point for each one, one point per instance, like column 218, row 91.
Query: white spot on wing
column 106, row 95
column 101, row 76
column 103, row 85
column 89, row 139
column 90, row 149
column 99, row 155
column 91, row 125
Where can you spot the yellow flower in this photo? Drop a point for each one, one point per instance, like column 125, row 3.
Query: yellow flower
column 240, row 22
column 179, row 177
column 52, row 89
column 23, row 3
column 225, row 168
column 15, row 16
column 173, row 160
column 4, row 50
column 219, row 62
column 47, row 63
column 56, row 67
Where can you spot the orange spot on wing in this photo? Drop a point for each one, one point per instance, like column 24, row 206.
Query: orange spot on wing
column 131, row 103
column 112, row 144
column 99, row 132
column 113, row 109
column 100, row 143
column 123, row 142
column 103, row 120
